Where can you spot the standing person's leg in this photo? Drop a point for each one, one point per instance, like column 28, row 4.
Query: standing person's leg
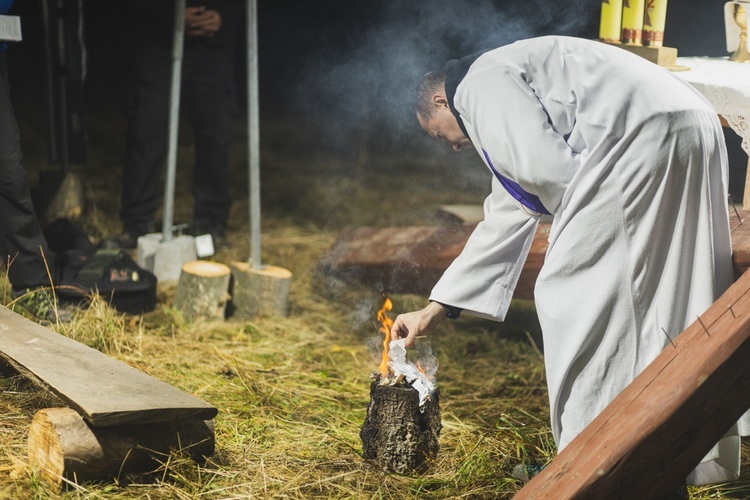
column 22, row 243
column 211, row 104
column 24, row 251
column 145, row 150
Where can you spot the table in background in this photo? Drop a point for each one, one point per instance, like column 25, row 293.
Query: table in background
column 726, row 85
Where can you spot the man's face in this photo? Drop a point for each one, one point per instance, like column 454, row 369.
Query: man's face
column 443, row 126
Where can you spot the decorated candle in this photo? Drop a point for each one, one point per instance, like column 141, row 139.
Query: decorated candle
column 653, row 22
column 611, row 21
column 632, row 21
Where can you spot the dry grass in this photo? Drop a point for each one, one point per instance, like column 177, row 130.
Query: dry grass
column 292, row 392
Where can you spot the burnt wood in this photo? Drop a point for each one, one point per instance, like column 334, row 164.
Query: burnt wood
column 397, row 435
column 105, row 391
column 647, row 441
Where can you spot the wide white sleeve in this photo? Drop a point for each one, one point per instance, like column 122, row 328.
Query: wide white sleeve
column 481, row 280
column 518, row 132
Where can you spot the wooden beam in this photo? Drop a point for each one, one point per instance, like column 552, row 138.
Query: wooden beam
column 647, row 441
column 105, row 391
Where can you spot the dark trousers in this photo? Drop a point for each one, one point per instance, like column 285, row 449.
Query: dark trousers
column 22, row 245
column 208, row 99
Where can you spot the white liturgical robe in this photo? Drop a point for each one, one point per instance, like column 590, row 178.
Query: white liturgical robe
column 631, row 164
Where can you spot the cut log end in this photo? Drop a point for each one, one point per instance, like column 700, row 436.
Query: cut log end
column 203, row 289
column 397, row 435
column 263, row 291
column 62, row 445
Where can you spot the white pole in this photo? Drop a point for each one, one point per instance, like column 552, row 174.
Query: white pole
column 253, row 135
column 174, row 118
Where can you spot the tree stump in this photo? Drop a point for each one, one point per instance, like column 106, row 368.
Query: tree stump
column 62, row 445
column 262, row 291
column 203, row 289
column 397, row 435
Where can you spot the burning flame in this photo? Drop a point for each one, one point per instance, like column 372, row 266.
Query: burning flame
column 385, row 329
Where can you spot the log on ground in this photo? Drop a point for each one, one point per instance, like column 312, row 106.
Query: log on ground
column 259, row 292
column 203, row 289
column 411, row 259
column 651, row 436
column 397, row 435
column 62, row 445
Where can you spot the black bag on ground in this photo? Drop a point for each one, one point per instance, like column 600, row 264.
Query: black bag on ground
column 82, row 270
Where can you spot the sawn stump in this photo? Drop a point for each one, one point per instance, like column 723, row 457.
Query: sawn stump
column 397, row 435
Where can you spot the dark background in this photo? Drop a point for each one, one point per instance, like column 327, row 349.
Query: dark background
column 337, row 66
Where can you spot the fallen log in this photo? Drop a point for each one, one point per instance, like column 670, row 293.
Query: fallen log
column 411, row 259
column 61, row 445
column 647, row 441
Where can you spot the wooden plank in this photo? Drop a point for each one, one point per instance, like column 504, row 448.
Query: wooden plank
column 461, row 214
column 646, row 442
column 105, row 391
column 411, row 259
column 739, row 225
column 663, row 56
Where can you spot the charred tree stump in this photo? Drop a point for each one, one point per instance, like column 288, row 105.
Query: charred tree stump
column 263, row 291
column 203, row 289
column 62, row 445
column 397, row 435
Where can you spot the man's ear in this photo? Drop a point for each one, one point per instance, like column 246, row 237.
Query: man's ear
column 439, row 100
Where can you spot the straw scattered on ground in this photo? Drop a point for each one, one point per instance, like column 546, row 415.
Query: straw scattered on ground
column 292, row 392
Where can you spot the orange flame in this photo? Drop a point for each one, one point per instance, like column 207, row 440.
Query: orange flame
column 385, row 329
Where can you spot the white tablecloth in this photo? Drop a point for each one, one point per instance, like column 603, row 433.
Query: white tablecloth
column 726, row 85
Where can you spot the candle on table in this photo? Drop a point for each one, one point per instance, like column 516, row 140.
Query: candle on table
column 610, row 24
column 632, row 21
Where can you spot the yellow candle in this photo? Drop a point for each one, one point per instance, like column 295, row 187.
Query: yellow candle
column 653, row 22
column 611, row 21
column 632, row 21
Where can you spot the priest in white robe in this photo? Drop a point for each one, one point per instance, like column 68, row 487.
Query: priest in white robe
column 629, row 163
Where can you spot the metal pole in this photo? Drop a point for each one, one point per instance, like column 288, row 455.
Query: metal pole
column 51, row 110
column 253, row 135
column 174, row 118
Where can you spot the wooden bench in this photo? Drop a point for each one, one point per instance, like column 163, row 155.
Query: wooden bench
column 114, row 411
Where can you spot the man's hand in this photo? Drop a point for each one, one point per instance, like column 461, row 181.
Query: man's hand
column 200, row 22
column 409, row 325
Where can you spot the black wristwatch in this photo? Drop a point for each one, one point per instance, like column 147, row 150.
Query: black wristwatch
column 453, row 312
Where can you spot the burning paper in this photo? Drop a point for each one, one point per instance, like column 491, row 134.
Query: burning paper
column 413, row 375
column 394, row 368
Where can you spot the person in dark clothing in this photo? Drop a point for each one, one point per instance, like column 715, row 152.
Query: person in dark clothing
column 26, row 257
column 208, row 98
